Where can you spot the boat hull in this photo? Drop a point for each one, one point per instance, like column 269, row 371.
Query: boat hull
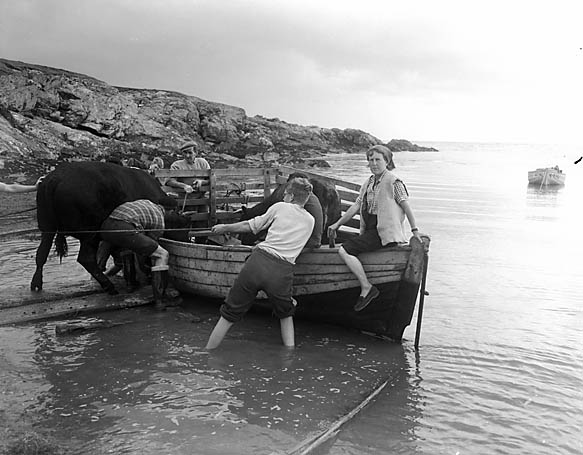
column 546, row 176
column 324, row 287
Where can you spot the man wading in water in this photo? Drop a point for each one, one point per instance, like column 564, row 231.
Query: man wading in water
column 270, row 265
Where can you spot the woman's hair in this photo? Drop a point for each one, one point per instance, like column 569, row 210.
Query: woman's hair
column 300, row 189
column 387, row 155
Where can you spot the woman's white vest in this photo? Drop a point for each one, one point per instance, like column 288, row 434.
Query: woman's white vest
column 390, row 217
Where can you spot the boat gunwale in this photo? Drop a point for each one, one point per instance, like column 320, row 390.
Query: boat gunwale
column 324, row 249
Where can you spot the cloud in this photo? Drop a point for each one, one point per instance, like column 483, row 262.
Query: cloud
column 449, row 69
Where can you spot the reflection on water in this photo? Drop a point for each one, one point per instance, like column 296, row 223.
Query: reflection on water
column 544, row 190
column 147, row 386
column 18, row 265
column 499, row 370
column 542, row 201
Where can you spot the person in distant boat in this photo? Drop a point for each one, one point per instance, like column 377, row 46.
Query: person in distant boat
column 270, row 265
column 383, row 204
column 190, row 161
column 18, row 188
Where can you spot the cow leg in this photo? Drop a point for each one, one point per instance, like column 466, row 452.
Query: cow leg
column 103, row 253
column 42, row 253
column 87, row 258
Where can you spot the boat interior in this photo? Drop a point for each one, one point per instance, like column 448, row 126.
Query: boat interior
column 227, row 191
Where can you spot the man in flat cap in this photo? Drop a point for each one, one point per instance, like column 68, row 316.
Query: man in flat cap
column 190, row 161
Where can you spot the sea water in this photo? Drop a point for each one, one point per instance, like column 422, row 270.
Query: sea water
column 499, row 368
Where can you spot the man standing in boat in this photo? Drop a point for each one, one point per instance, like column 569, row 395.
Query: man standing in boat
column 270, row 265
column 191, row 185
column 190, row 161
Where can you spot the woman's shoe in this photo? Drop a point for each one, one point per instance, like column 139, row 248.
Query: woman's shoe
column 363, row 302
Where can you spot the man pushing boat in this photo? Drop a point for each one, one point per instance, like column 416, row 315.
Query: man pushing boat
column 270, row 266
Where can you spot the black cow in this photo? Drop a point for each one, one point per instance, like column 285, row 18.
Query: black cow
column 324, row 190
column 75, row 199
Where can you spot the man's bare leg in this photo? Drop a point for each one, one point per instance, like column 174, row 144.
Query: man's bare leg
column 218, row 333
column 287, row 331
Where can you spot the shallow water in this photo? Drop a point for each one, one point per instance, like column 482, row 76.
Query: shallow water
column 149, row 387
column 499, row 369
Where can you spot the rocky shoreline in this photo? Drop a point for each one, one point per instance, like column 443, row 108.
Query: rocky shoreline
column 50, row 115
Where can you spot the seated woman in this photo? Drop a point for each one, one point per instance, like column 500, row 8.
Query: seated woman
column 383, row 203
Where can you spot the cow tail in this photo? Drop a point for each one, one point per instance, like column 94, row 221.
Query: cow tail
column 61, row 246
column 45, row 207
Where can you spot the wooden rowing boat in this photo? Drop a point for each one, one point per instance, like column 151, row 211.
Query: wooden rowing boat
column 546, row 176
column 324, row 287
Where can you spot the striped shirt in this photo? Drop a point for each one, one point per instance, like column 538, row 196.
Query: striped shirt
column 372, row 193
column 145, row 215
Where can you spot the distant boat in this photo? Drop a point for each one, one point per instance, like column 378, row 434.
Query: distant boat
column 546, row 176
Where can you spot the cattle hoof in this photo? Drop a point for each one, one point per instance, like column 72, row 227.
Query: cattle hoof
column 36, row 284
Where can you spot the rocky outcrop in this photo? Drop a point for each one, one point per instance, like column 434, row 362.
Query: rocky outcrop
column 49, row 115
column 402, row 145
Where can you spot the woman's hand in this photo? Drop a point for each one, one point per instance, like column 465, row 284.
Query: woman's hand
column 415, row 232
column 332, row 230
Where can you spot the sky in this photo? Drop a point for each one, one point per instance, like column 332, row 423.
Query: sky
column 422, row 70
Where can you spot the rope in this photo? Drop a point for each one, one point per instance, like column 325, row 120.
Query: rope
column 19, row 212
column 117, row 230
